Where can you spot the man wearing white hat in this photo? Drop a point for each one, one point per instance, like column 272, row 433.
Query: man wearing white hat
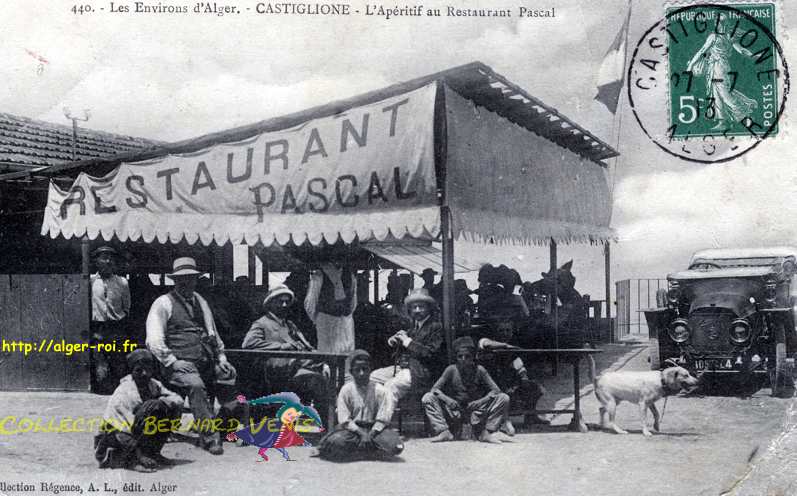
column 183, row 337
column 274, row 331
column 419, row 350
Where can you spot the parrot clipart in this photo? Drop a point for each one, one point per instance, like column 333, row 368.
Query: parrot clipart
column 281, row 434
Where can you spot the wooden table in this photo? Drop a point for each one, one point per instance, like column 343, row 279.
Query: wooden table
column 573, row 355
column 336, row 362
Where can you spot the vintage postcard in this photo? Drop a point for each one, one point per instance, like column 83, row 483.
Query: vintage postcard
column 452, row 247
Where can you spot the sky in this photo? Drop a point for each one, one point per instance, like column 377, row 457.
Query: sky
column 172, row 77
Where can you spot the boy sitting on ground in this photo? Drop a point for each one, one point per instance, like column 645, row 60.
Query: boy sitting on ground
column 363, row 414
column 127, row 439
column 466, row 387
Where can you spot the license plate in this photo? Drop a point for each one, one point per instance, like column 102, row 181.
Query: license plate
column 714, row 364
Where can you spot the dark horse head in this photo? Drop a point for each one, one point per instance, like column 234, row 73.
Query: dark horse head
column 573, row 310
column 565, row 285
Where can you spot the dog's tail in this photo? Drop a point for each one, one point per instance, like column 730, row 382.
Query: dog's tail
column 592, row 377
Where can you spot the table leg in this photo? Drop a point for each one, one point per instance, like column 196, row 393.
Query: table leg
column 332, row 394
column 577, row 423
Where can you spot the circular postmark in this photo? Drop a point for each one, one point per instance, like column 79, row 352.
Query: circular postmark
column 709, row 82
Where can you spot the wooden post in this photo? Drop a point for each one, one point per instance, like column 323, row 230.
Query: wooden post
column 376, row 283
column 217, row 264
column 554, row 302
column 85, row 257
column 85, row 267
column 446, row 227
column 251, row 265
column 608, row 288
column 448, row 280
column 264, row 261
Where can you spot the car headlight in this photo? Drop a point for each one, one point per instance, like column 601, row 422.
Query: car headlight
column 679, row 331
column 673, row 295
column 740, row 331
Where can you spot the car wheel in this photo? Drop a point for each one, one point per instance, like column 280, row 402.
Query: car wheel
column 654, row 353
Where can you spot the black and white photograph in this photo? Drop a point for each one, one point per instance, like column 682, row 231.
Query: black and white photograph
column 458, row 247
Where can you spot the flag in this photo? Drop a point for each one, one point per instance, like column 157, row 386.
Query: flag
column 612, row 71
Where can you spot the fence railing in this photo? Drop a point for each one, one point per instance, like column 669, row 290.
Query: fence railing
column 634, row 295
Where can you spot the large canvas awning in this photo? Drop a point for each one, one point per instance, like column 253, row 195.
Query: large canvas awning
column 371, row 168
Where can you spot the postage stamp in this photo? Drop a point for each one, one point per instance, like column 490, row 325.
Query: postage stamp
column 709, row 82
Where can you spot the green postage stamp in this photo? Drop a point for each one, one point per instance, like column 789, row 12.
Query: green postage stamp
column 723, row 66
column 708, row 82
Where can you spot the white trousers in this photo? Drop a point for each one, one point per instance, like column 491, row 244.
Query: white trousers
column 397, row 384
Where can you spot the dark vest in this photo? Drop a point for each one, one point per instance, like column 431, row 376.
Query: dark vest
column 326, row 299
column 186, row 336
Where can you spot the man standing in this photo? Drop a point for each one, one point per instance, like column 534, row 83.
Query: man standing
column 274, row 331
column 419, row 349
column 110, row 307
column 183, row 337
column 330, row 303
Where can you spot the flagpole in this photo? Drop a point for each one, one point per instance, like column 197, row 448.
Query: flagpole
column 620, row 113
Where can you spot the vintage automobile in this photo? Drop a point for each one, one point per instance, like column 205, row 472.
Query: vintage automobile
column 731, row 311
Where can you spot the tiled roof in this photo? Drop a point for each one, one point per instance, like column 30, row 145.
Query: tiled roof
column 29, row 143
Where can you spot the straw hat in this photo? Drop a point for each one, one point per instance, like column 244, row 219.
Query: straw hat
column 419, row 295
column 184, row 266
column 277, row 290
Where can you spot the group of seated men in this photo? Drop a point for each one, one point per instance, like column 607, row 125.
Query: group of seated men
column 185, row 350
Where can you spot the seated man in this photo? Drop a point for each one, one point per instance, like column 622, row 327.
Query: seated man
column 419, row 349
column 509, row 371
column 363, row 417
column 138, row 403
column 182, row 335
column 466, row 388
column 273, row 331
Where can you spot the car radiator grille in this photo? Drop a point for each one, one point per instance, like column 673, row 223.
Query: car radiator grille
column 710, row 330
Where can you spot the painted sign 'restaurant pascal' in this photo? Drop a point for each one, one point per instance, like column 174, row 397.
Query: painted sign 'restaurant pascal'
column 304, row 155
column 375, row 159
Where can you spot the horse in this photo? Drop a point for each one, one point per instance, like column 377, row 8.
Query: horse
column 572, row 309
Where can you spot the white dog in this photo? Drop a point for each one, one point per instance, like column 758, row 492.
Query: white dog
column 642, row 388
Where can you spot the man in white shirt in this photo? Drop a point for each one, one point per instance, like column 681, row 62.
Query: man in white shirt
column 110, row 307
column 330, row 303
column 182, row 335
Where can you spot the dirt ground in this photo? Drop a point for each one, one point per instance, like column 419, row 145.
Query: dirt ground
column 709, row 445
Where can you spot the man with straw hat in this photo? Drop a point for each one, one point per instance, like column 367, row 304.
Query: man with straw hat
column 182, row 335
column 275, row 331
column 418, row 355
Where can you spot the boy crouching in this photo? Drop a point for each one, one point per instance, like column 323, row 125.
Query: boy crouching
column 466, row 387
column 127, row 439
column 364, row 409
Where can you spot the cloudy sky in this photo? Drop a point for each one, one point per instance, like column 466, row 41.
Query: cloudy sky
column 171, row 77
